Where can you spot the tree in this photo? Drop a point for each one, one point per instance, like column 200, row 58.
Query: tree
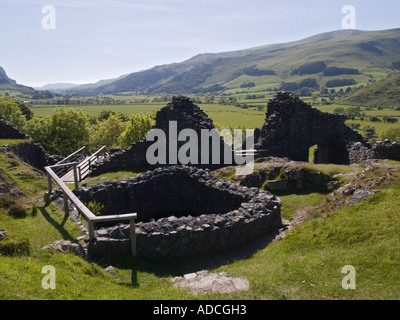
column 137, row 128
column 353, row 112
column 393, row 134
column 355, row 126
column 339, row 110
column 107, row 132
column 369, row 132
column 68, row 130
column 11, row 112
column 39, row 129
column 389, row 119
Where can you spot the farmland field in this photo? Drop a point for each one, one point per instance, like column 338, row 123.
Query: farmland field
column 229, row 115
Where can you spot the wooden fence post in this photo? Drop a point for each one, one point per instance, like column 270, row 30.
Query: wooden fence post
column 49, row 182
column 66, row 209
column 133, row 236
column 91, row 229
column 75, row 176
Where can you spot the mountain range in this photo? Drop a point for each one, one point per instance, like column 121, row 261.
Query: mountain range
column 354, row 54
column 331, row 59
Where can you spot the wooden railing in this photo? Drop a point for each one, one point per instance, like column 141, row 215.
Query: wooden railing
column 89, row 216
column 85, row 166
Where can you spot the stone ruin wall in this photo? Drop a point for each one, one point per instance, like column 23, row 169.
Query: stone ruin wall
column 8, row 131
column 187, row 115
column 182, row 211
column 293, row 126
column 29, row 152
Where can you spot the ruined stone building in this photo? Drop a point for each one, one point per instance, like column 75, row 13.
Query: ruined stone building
column 292, row 126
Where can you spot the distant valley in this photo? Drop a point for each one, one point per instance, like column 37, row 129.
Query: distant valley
column 333, row 60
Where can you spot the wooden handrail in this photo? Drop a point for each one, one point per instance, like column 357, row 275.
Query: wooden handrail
column 90, row 217
column 71, row 155
column 64, row 164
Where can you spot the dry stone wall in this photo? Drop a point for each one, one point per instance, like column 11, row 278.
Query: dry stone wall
column 182, row 211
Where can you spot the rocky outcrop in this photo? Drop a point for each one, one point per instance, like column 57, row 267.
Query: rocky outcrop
column 282, row 178
column 203, row 282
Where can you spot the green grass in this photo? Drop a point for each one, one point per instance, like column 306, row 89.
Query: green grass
column 305, row 264
column 12, row 142
column 113, row 175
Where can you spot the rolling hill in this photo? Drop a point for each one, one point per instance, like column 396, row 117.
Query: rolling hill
column 345, row 54
column 383, row 93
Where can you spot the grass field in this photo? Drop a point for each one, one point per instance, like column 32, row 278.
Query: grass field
column 305, row 264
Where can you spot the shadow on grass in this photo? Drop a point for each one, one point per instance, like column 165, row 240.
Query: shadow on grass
column 57, row 225
column 177, row 266
column 304, row 192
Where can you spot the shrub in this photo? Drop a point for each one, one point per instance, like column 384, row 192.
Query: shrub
column 374, row 119
column 17, row 211
column 6, row 201
column 393, row 134
column 355, row 126
column 14, row 245
column 95, row 207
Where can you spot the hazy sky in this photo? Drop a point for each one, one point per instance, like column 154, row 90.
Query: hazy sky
column 101, row 39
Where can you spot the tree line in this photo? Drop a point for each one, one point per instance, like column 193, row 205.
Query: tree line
column 68, row 129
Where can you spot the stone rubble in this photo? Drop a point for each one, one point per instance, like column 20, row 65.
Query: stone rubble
column 203, row 282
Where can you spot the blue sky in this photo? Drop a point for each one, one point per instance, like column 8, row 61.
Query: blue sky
column 102, row 39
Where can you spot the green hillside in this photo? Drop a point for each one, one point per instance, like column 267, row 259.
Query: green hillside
column 383, row 93
column 347, row 54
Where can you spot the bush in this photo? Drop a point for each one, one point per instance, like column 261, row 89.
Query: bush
column 13, row 245
column 339, row 110
column 355, row 126
column 96, row 208
column 388, row 119
column 17, row 211
column 6, row 201
column 369, row 133
column 374, row 119
column 393, row 134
